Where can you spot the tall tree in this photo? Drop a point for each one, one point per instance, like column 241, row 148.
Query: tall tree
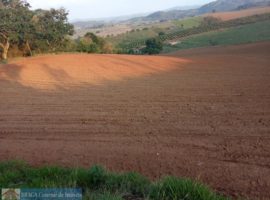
column 52, row 26
column 15, row 23
column 153, row 46
column 22, row 27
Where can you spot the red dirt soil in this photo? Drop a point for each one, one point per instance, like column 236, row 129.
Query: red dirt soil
column 202, row 114
column 242, row 13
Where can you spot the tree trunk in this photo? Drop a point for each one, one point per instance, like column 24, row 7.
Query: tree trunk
column 5, row 48
column 29, row 48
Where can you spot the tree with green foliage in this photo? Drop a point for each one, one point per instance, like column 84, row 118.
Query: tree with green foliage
column 153, row 46
column 91, row 43
column 162, row 33
column 15, row 25
column 52, row 26
column 94, row 38
column 21, row 27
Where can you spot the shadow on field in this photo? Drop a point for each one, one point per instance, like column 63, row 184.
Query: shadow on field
column 56, row 74
column 10, row 71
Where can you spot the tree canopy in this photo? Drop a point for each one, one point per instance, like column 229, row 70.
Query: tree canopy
column 41, row 30
column 153, row 46
column 91, row 43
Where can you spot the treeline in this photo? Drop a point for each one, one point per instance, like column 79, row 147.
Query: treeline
column 208, row 24
column 24, row 32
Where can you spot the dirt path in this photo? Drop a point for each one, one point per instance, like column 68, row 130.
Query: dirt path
column 202, row 114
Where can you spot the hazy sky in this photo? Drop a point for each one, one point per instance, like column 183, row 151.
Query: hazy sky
column 87, row 9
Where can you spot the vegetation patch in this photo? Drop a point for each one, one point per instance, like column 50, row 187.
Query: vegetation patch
column 99, row 184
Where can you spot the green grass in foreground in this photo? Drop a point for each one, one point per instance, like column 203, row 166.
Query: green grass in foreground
column 99, row 184
column 249, row 33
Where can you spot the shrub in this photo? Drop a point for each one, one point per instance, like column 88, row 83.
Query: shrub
column 153, row 46
column 213, row 42
column 91, row 43
column 171, row 188
column 161, row 33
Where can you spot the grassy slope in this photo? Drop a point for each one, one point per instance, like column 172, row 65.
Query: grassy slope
column 188, row 22
column 99, row 184
column 259, row 31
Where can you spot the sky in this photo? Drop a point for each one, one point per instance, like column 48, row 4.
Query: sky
column 94, row 9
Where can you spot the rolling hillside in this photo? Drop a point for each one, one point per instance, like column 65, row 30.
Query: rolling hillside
column 237, row 35
column 239, row 13
column 229, row 5
column 216, row 6
column 202, row 26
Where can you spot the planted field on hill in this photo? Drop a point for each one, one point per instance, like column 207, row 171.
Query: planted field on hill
column 259, row 31
column 241, row 13
column 138, row 38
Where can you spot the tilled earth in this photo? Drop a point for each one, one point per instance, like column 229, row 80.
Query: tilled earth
column 202, row 114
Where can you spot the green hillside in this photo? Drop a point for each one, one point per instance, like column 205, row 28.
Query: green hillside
column 259, row 31
column 188, row 22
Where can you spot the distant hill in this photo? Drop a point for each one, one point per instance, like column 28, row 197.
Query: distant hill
column 88, row 24
column 229, row 5
column 215, row 6
column 170, row 15
column 184, row 7
column 97, row 23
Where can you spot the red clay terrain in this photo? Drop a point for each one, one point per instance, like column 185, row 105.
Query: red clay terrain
column 240, row 13
column 202, row 114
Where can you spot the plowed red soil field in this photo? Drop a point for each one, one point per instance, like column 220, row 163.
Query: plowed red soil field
column 202, row 114
column 240, row 13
